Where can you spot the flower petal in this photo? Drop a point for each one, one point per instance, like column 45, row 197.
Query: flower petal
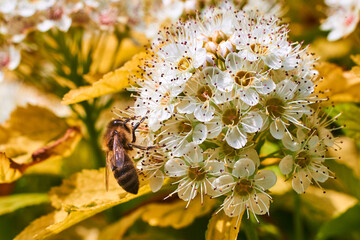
column 156, row 181
column 204, row 113
column 235, row 138
column 286, row 165
column 244, row 167
column 265, row 178
column 199, row 133
column 300, row 182
column 175, row 167
column 277, row 129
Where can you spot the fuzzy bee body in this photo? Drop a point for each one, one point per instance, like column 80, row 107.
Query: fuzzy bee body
column 117, row 141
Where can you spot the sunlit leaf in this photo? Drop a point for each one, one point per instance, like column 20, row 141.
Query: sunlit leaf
column 11, row 203
column 223, row 227
column 78, row 198
column 339, row 49
column 118, row 229
column 349, row 118
column 342, row 225
column 337, row 85
column 9, row 170
column 41, row 123
column 175, row 214
column 110, row 83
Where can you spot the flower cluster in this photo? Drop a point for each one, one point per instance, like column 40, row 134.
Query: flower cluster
column 343, row 17
column 215, row 88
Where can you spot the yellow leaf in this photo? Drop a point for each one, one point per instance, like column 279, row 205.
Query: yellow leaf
column 223, row 227
column 78, row 198
column 117, row 230
column 339, row 49
column 338, row 85
column 11, row 203
column 174, row 214
column 324, row 206
column 9, row 170
column 41, row 123
column 110, row 83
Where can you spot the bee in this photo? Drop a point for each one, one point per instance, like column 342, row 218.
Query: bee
column 119, row 139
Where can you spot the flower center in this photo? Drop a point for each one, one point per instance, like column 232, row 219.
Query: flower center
column 275, row 107
column 204, row 93
column 184, row 127
column 56, row 13
column 259, row 49
column 244, row 78
column 231, row 117
column 302, row 159
column 196, row 173
column 244, row 187
column 184, row 64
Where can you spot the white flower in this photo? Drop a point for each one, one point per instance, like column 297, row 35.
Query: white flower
column 282, row 107
column 305, row 164
column 27, row 8
column 179, row 130
column 247, row 189
column 201, row 94
column 247, row 79
column 238, row 120
column 56, row 16
column 150, row 165
column 195, row 171
column 9, row 59
column 7, row 6
column 343, row 18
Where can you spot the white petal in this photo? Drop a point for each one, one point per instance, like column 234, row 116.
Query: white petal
column 244, row 167
column 235, row 138
column 65, row 23
column 290, row 143
column 300, row 182
column 327, row 136
column 14, row 58
column 215, row 167
column 186, row 106
column 1, row 76
column 277, row 129
column 193, row 153
column 214, row 128
column 265, row 86
column 223, row 183
column 260, row 203
column 45, row 25
column 321, row 174
column 265, row 178
column 286, row 89
column 253, row 155
column 175, row 168
column 249, row 96
column 314, row 140
column 156, row 181
column 199, row 133
column 7, row 6
column 252, row 122
column 187, row 193
column 286, row 165
column 273, row 61
column 204, row 114
column 234, row 208
column 219, row 79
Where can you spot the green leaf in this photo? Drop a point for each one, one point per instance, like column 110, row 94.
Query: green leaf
column 11, row 203
column 342, row 225
column 223, row 227
column 345, row 178
column 349, row 118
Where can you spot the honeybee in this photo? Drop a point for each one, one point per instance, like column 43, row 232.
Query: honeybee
column 119, row 139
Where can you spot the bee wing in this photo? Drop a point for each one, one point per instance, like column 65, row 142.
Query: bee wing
column 107, row 165
column 118, row 153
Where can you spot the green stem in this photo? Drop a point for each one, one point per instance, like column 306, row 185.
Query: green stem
column 93, row 134
column 297, row 217
column 250, row 229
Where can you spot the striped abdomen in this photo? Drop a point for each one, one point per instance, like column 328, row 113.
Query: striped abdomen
column 127, row 177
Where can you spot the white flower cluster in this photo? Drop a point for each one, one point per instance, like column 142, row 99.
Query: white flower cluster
column 343, row 17
column 216, row 87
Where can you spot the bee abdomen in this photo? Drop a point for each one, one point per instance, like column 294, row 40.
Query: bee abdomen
column 127, row 177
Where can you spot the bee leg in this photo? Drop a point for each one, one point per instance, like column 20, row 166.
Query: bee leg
column 142, row 147
column 134, row 129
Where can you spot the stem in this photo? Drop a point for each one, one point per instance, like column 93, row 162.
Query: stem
column 94, row 134
column 297, row 217
column 250, row 229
